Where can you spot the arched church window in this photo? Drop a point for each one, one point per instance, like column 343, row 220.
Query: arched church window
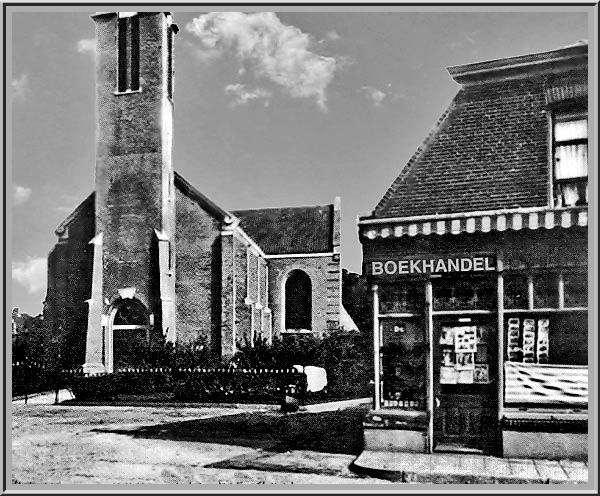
column 298, row 301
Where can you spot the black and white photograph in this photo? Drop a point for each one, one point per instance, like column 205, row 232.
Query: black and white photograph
column 304, row 246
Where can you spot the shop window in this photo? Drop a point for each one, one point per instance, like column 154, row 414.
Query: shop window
column 515, row 292
column 545, row 290
column 558, row 339
column 570, row 160
column 464, row 293
column 402, row 298
column 403, row 364
column 575, row 289
column 298, row 301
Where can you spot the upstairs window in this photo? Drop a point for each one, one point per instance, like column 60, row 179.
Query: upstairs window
column 128, row 52
column 570, row 160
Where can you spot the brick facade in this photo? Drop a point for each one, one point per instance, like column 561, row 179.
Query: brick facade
column 325, row 277
column 197, row 277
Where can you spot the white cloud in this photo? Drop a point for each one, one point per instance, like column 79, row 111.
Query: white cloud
column 20, row 88
column 374, row 94
column 31, row 274
column 378, row 96
column 268, row 49
column 87, row 45
column 243, row 95
column 21, row 194
column 332, row 36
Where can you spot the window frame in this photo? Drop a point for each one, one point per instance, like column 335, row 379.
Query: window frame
column 565, row 115
column 128, row 54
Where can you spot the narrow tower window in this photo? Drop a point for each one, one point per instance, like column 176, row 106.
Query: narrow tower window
column 135, row 53
column 122, row 55
column 128, row 52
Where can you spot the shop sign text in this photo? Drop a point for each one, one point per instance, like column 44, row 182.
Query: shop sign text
column 430, row 266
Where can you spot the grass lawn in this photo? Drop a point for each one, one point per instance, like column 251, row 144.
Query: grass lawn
column 328, row 432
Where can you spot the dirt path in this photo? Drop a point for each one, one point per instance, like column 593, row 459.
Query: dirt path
column 56, row 444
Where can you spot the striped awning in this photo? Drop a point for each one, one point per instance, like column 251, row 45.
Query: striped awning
column 484, row 222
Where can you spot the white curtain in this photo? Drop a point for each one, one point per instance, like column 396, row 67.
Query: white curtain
column 570, row 130
column 571, row 161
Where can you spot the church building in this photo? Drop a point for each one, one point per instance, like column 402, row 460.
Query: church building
column 146, row 256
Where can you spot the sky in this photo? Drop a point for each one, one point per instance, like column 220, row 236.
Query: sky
column 271, row 108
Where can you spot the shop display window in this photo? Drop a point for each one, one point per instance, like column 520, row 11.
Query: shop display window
column 575, row 289
column 515, row 291
column 551, row 338
column 545, row 290
column 403, row 364
column 403, row 297
column 464, row 293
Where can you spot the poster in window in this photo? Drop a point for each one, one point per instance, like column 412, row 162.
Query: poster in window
column 528, row 341
column 465, row 376
column 464, row 339
column 447, row 336
column 513, row 337
column 481, row 373
column 465, row 360
column 448, row 357
column 481, row 356
column 543, row 342
column 448, row 375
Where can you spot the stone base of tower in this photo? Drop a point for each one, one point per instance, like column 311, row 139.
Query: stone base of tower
column 94, row 368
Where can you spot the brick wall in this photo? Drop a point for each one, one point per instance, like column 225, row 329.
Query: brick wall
column 69, row 284
column 198, row 272
column 325, row 276
column 243, row 311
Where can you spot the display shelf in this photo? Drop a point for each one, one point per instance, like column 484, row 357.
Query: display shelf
column 546, row 310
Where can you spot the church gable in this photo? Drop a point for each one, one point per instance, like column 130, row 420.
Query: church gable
column 198, row 223
column 80, row 221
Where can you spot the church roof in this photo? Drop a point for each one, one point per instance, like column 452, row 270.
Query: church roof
column 290, row 230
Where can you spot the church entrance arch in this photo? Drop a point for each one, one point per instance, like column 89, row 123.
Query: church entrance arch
column 129, row 333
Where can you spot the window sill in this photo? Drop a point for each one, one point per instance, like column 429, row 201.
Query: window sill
column 296, row 331
column 126, row 92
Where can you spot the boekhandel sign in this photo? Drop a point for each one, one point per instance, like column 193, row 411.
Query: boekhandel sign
column 439, row 265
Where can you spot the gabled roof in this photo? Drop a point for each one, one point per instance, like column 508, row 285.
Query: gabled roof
column 489, row 150
column 290, row 230
column 84, row 205
column 211, row 207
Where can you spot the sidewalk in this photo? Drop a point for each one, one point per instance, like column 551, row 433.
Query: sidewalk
column 468, row 469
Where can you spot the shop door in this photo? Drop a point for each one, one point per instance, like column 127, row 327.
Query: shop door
column 465, row 386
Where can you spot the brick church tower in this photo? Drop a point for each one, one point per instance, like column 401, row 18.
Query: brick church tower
column 133, row 280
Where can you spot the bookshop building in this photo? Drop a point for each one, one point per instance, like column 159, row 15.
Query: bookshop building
column 477, row 258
